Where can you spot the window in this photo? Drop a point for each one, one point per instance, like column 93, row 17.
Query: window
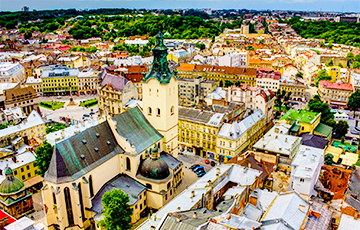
column 68, row 206
column 149, row 111
column 27, row 167
column 128, row 165
column 140, row 206
column 91, row 188
column 302, row 180
column 168, row 185
column 15, row 172
column 158, row 112
column 22, row 169
column 29, row 174
column 172, row 110
column 149, row 186
column 81, row 203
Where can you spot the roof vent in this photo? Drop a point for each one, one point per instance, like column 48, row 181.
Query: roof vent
column 82, row 156
column 108, row 142
column 84, row 141
column 97, row 134
column 96, row 149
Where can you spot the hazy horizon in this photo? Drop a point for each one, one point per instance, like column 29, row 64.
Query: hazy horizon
column 296, row 5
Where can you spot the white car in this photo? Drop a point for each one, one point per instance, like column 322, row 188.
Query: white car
column 59, row 97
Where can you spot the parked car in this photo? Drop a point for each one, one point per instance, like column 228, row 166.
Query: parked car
column 86, row 115
column 201, row 174
column 213, row 163
column 194, row 166
column 200, row 168
column 207, row 161
column 355, row 141
column 59, row 97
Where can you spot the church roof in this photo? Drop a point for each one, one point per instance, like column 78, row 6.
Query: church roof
column 79, row 154
column 160, row 68
column 133, row 126
column 11, row 185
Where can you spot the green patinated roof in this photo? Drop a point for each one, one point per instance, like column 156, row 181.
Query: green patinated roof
column 303, row 116
column 323, row 129
column 295, row 128
column 160, row 68
column 133, row 126
column 11, row 185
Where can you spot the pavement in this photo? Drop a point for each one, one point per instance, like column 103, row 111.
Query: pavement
column 39, row 215
column 73, row 112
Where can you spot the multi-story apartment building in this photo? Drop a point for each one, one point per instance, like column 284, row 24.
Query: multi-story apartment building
column 355, row 79
column 24, row 97
column 36, row 83
column 11, row 72
column 334, row 93
column 198, row 130
column 193, row 90
column 303, row 121
column 295, row 86
column 259, row 63
column 268, row 79
column 59, row 81
column 217, row 73
column 254, row 98
column 233, row 138
column 114, row 92
column 88, row 81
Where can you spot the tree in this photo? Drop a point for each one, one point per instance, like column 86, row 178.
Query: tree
column 322, row 75
column 282, row 99
column 117, row 212
column 300, row 74
column 43, row 157
column 200, row 45
column 341, row 128
column 330, row 63
column 350, row 58
column 228, row 83
column 354, row 101
column 341, row 65
column 250, row 47
column 221, row 83
column 316, row 105
column 328, row 159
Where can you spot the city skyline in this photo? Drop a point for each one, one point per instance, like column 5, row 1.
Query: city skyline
column 306, row 5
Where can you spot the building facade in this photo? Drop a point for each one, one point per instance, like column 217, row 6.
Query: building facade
column 335, row 93
column 24, row 97
column 193, row 90
column 268, row 79
column 60, row 80
column 88, row 81
column 11, row 72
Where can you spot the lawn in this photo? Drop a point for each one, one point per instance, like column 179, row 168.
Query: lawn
column 54, row 127
column 53, row 105
column 89, row 103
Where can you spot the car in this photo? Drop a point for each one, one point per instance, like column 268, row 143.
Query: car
column 59, row 97
column 200, row 168
column 194, row 166
column 91, row 113
column 212, row 163
column 207, row 161
column 201, row 174
column 86, row 115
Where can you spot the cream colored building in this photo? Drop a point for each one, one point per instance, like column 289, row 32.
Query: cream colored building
column 133, row 151
column 193, row 90
column 88, row 81
column 335, row 93
column 35, row 82
column 114, row 92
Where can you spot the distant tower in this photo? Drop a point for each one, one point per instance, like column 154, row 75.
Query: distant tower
column 160, row 97
column 25, row 8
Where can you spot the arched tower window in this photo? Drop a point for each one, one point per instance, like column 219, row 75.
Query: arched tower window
column 172, row 110
column 149, row 92
column 91, row 188
column 149, row 111
column 128, row 164
column 81, row 203
column 69, row 212
column 158, row 112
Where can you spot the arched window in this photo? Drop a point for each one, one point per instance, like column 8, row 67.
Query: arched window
column 157, row 92
column 91, row 186
column 172, row 110
column 69, row 212
column 81, row 203
column 149, row 111
column 158, row 112
column 128, row 165
column 149, row 92
column 53, row 195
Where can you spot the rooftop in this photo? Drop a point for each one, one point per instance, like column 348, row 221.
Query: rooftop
column 303, row 116
column 348, row 222
column 332, row 85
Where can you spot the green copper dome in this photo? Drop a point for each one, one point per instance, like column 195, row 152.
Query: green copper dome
column 11, row 185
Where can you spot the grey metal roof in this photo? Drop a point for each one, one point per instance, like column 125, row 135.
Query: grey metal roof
column 75, row 156
column 202, row 117
column 252, row 212
column 171, row 161
column 60, row 71
column 123, row 182
column 314, row 223
column 133, row 126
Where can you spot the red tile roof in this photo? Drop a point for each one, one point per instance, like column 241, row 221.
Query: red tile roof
column 330, row 85
column 4, row 215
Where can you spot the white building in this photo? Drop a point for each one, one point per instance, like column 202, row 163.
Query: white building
column 268, row 79
column 305, row 169
column 11, row 72
column 88, row 81
column 234, row 59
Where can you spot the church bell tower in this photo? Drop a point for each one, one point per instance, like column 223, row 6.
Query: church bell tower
column 160, row 97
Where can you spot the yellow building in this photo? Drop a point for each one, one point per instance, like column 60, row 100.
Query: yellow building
column 59, row 80
column 198, row 130
column 73, row 61
column 294, row 86
column 334, row 93
column 304, row 121
column 234, row 138
column 36, row 83
column 334, row 73
column 217, row 73
column 259, row 63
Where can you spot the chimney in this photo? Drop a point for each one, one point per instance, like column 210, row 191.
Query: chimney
column 218, row 171
column 178, row 219
column 195, row 215
column 286, row 139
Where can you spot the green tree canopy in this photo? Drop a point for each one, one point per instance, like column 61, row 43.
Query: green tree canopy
column 354, row 101
column 350, row 58
column 322, row 75
column 117, row 212
column 316, row 105
column 341, row 128
column 43, row 157
column 328, row 159
column 300, row 74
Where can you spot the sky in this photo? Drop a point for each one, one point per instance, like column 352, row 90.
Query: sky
column 310, row 5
